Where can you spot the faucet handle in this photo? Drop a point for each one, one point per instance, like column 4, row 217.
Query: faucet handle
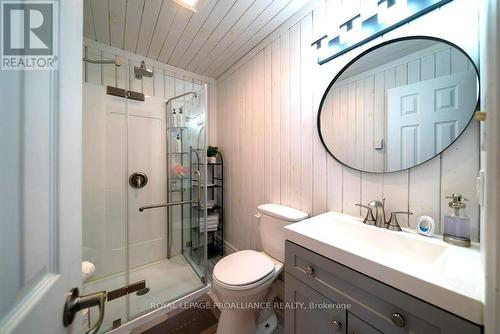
column 369, row 219
column 393, row 223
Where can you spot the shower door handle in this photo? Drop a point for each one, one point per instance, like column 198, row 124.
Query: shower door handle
column 75, row 303
column 198, row 199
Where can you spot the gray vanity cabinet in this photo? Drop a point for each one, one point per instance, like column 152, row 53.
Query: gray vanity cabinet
column 363, row 305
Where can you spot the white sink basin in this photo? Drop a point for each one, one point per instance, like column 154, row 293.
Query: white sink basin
column 447, row 276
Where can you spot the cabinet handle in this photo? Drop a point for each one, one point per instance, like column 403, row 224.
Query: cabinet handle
column 337, row 325
column 398, row 319
column 310, row 271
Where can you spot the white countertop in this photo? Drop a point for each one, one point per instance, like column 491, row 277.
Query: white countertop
column 444, row 275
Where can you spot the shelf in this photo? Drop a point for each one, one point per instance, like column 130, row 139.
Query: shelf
column 173, row 153
column 182, row 128
column 179, row 178
column 179, row 190
column 214, row 208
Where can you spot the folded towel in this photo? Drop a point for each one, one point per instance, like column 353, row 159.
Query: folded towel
column 209, row 228
column 213, row 217
column 212, row 223
column 210, row 204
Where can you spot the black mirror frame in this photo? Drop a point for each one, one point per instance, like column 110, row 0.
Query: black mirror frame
column 405, row 38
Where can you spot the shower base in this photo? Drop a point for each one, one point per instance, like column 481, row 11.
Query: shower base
column 167, row 279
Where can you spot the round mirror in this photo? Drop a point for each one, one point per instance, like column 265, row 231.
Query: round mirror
column 398, row 104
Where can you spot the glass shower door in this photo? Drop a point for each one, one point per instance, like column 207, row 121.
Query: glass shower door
column 187, row 172
column 149, row 257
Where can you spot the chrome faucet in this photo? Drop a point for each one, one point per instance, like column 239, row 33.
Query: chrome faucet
column 379, row 219
column 379, row 213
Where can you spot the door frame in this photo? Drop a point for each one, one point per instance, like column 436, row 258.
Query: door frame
column 490, row 89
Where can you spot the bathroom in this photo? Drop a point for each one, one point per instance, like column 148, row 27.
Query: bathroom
column 222, row 166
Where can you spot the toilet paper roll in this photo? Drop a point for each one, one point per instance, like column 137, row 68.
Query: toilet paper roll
column 88, row 270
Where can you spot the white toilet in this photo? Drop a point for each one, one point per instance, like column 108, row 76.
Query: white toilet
column 243, row 280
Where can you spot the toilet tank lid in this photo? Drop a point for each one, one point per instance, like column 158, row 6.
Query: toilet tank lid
column 282, row 212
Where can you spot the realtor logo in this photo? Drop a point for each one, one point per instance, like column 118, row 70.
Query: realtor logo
column 28, row 35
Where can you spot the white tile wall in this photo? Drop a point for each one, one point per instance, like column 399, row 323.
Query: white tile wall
column 167, row 80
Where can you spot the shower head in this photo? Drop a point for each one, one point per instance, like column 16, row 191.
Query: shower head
column 142, row 71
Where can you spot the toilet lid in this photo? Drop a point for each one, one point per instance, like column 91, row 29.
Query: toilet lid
column 243, row 268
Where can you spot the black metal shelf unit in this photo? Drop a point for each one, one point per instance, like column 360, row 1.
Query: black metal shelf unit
column 215, row 191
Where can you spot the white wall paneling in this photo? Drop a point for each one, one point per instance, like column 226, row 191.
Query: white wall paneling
column 296, row 169
column 207, row 41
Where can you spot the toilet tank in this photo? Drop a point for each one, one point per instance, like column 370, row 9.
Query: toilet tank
column 273, row 219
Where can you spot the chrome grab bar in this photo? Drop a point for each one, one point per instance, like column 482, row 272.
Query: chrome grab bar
column 154, row 206
column 198, row 199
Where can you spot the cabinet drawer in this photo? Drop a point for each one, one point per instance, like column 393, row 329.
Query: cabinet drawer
column 357, row 326
column 310, row 312
column 385, row 308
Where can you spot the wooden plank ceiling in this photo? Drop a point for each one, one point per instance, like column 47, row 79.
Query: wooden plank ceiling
column 207, row 41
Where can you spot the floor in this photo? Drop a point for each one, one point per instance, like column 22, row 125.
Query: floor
column 201, row 320
column 167, row 280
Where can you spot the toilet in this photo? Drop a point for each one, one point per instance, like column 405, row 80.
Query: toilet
column 243, row 281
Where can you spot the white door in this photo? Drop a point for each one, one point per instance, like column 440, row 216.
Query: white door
column 425, row 117
column 40, row 198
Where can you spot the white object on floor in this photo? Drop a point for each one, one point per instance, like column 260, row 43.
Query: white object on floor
column 88, row 270
column 246, row 277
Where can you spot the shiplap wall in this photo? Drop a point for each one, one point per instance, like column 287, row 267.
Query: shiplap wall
column 267, row 108
column 167, row 81
column 356, row 107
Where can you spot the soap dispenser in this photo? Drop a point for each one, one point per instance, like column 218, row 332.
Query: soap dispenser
column 180, row 118
column 457, row 223
column 175, row 120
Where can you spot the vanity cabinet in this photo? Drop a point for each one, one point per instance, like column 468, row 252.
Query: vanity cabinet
column 341, row 300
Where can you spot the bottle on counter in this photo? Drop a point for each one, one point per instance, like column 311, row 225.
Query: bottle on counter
column 457, row 223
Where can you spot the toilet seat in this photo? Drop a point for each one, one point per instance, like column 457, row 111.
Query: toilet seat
column 243, row 270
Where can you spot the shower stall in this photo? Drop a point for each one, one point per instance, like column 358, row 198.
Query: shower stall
column 144, row 194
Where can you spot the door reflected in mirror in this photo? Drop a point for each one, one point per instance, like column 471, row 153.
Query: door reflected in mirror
column 399, row 104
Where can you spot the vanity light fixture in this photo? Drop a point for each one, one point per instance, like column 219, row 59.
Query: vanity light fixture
column 189, row 4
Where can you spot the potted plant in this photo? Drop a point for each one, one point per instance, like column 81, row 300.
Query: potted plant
column 212, row 154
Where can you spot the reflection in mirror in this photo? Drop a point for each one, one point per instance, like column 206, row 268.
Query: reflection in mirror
column 399, row 105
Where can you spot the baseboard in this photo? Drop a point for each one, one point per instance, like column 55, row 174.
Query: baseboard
column 229, row 248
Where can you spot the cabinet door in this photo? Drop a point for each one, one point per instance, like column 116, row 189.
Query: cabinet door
column 307, row 311
column 357, row 326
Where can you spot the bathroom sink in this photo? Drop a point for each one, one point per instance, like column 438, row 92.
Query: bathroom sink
column 447, row 276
